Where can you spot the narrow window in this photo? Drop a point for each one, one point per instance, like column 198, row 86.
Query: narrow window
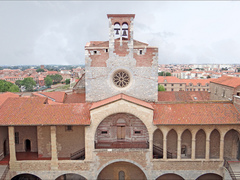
column 104, row 132
column 95, row 52
column 140, row 52
column 137, row 132
column 172, row 84
column 172, row 89
column 68, row 128
column 180, row 84
column 121, row 175
column 16, row 137
column 165, row 84
column 106, row 50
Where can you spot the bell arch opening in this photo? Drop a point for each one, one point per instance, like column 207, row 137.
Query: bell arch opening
column 121, row 130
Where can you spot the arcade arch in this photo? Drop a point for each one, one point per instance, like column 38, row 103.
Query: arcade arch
column 200, row 149
column 232, row 145
column 170, row 176
column 70, row 176
column 210, row 176
column 26, row 176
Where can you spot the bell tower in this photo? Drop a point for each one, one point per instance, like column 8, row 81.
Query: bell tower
column 121, row 65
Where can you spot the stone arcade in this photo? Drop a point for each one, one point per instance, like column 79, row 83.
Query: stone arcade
column 120, row 131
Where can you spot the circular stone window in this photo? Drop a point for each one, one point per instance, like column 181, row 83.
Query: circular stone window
column 121, row 79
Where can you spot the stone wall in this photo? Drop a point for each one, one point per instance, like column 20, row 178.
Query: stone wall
column 26, row 132
column 44, row 141
column 69, row 141
column 221, row 92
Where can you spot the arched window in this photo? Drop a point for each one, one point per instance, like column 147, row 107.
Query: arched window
column 125, row 30
column 121, row 175
column 116, row 30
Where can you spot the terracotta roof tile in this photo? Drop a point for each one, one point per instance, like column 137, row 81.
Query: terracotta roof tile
column 33, row 111
column 227, row 81
column 75, row 98
column 183, row 96
column 4, row 96
column 119, row 97
column 196, row 113
column 57, row 96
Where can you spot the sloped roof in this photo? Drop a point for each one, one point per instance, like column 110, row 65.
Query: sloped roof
column 119, row 97
column 196, row 81
column 75, row 98
column 4, row 96
column 57, row 96
column 183, row 96
column 227, row 81
column 169, row 79
column 33, row 111
column 195, row 113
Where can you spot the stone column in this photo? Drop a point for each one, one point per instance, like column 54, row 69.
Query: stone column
column 179, row 147
column 221, row 148
column 164, row 147
column 54, row 159
column 12, row 149
column 207, row 148
column 193, row 148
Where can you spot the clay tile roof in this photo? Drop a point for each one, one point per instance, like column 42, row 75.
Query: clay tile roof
column 33, row 111
column 169, row 79
column 119, row 97
column 196, row 81
column 4, row 96
column 227, row 81
column 196, row 113
column 57, row 96
column 183, row 96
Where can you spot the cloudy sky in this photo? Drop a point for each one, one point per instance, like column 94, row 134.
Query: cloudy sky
column 55, row 32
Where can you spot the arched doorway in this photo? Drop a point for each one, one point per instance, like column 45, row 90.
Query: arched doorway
column 232, row 145
column 70, row 176
column 209, row 176
column 157, row 144
column 121, row 171
column 214, row 144
column 25, row 177
column 170, row 176
column 172, row 144
column 121, row 130
column 200, row 144
column 27, row 145
column 186, row 144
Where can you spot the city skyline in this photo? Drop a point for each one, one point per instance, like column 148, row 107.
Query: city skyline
column 55, row 32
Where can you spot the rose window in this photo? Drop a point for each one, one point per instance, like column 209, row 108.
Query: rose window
column 121, row 79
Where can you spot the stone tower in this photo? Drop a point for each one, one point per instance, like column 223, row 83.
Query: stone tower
column 121, row 65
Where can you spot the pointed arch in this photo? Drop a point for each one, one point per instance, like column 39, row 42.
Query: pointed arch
column 232, row 145
column 186, row 144
column 157, row 144
column 215, row 144
column 172, row 139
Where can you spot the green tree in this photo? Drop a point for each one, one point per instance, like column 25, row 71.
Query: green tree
column 40, row 70
column 7, row 86
column 28, row 83
column 56, row 78
column 164, row 73
column 18, row 83
column 67, row 81
column 14, row 88
column 208, row 76
column 161, row 88
column 48, row 81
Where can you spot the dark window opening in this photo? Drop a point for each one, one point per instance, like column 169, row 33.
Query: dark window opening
column 69, row 128
column 137, row 132
column 95, row 52
column 104, row 132
column 27, row 145
column 238, row 94
column 16, row 137
column 106, row 50
column 140, row 52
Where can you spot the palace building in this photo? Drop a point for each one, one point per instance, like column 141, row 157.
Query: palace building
column 120, row 130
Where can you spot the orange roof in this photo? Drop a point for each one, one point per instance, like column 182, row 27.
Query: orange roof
column 4, row 96
column 75, row 98
column 196, row 113
column 227, row 81
column 119, row 97
column 52, row 72
column 183, row 96
column 57, row 96
column 169, row 79
column 33, row 111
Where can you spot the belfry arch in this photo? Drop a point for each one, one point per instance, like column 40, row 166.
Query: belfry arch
column 121, row 130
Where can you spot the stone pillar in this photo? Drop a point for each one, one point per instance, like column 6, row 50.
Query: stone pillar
column 221, row 148
column 179, row 147
column 54, row 159
column 89, row 143
column 164, row 147
column 207, row 148
column 193, row 148
column 12, row 149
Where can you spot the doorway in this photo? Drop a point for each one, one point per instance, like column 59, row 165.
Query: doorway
column 5, row 148
column 27, row 145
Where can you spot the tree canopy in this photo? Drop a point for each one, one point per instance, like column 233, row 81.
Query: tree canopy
column 28, row 83
column 40, row 70
column 48, row 81
column 161, row 88
column 8, row 86
column 67, row 81
column 56, row 78
column 164, row 73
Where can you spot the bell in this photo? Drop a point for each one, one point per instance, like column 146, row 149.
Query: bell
column 117, row 33
column 124, row 33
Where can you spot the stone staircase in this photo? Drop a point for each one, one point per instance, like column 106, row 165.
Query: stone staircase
column 3, row 171
column 235, row 166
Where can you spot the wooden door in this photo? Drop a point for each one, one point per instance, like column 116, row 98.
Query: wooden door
column 121, row 132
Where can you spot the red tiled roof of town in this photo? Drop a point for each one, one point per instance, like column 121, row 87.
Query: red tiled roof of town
column 195, row 113
column 33, row 111
column 4, row 96
column 169, row 79
column 75, row 98
column 183, row 96
column 58, row 96
column 52, row 72
column 227, row 81
column 119, row 97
